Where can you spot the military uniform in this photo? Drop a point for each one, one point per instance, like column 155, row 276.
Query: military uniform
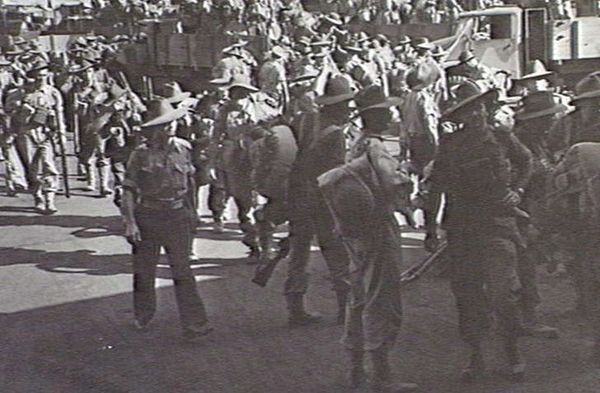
column 39, row 118
column 471, row 170
column 161, row 180
column 233, row 165
column 321, row 146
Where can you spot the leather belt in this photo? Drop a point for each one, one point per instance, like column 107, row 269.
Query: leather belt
column 162, row 204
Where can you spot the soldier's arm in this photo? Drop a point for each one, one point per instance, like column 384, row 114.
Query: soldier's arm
column 522, row 160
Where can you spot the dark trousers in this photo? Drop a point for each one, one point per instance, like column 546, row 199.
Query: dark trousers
column 169, row 229
column 315, row 222
column 484, row 279
column 227, row 185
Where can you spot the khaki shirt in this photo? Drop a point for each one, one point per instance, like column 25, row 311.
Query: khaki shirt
column 160, row 175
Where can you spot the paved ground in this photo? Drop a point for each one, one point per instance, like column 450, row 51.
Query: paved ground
column 65, row 320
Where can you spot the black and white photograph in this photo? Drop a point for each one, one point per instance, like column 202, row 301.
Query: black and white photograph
column 299, row 196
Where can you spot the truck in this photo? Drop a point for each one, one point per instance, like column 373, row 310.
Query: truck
column 513, row 36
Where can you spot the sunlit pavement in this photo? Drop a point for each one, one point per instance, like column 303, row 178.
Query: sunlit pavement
column 66, row 316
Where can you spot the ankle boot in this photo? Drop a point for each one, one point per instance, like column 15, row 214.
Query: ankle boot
column 297, row 315
column 516, row 364
column 103, row 174
column 358, row 374
column 382, row 377
column 50, row 206
column 475, row 367
column 90, row 179
column 38, row 200
column 342, row 299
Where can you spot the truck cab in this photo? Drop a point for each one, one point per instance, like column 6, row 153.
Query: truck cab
column 508, row 37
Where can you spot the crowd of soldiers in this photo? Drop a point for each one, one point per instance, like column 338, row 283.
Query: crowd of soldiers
column 329, row 131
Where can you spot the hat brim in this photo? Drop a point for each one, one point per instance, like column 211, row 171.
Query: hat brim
column 219, row 81
column 332, row 21
column 464, row 104
column 388, row 103
column 427, row 46
column 557, row 108
column 240, row 85
column 535, row 75
column 330, row 100
column 178, row 98
column 304, row 78
column 175, row 114
column 586, row 96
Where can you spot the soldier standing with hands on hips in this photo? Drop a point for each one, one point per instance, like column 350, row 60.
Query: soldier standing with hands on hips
column 158, row 191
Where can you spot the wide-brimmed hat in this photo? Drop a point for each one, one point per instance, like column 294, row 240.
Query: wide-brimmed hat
column 278, row 51
column 337, row 89
column 403, row 40
column 588, row 88
column 333, row 18
column 382, row 37
column 4, row 61
column 232, row 50
column 160, row 112
column 438, row 51
column 241, row 83
column 535, row 69
column 538, row 104
column 306, row 75
column 466, row 95
column 362, row 37
column 423, row 43
column 81, row 66
column 39, row 65
column 220, row 82
column 466, row 56
column 174, row 93
column 373, row 97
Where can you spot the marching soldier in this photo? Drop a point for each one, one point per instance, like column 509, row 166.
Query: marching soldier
column 236, row 118
column 39, row 118
column 471, row 169
column 321, row 146
column 375, row 307
column 159, row 188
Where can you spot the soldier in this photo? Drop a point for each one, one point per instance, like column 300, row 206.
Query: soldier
column 471, row 169
column 272, row 77
column 469, row 66
column 321, row 146
column 501, row 123
column 159, row 188
column 420, row 115
column 39, row 118
column 365, row 217
column 236, row 118
column 104, row 135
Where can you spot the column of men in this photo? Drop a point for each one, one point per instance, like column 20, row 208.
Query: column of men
column 338, row 95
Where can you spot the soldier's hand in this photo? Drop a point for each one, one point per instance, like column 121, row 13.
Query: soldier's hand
column 431, row 241
column 512, row 198
column 132, row 233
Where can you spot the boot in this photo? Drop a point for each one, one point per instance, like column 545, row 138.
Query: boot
column 531, row 326
column 297, row 315
column 382, row 377
column 103, row 172
column 38, row 199
column 50, row 207
column 10, row 188
column 516, row 366
column 90, row 179
column 342, row 299
column 358, row 374
column 475, row 368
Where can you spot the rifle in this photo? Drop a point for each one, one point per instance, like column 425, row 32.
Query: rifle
column 63, row 162
column 424, row 265
column 265, row 270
